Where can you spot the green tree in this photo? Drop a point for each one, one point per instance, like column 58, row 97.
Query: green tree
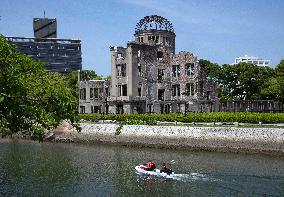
column 244, row 81
column 72, row 79
column 31, row 99
column 273, row 87
column 108, row 78
column 90, row 75
column 279, row 70
column 213, row 70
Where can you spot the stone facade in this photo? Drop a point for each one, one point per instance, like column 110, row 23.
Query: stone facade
column 93, row 96
column 148, row 77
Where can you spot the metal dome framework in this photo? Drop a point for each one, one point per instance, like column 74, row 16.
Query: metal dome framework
column 154, row 22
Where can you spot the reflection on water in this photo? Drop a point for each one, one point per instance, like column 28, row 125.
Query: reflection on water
column 29, row 168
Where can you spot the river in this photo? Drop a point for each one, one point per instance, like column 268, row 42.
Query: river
column 29, row 168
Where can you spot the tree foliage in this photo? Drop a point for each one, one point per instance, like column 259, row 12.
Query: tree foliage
column 213, row 70
column 280, row 69
column 72, row 79
column 89, row 75
column 31, row 99
column 274, row 86
column 245, row 81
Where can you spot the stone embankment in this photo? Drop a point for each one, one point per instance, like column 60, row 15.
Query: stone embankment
column 233, row 139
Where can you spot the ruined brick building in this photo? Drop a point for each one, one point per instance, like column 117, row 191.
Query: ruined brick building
column 93, row 96
column 148, row 77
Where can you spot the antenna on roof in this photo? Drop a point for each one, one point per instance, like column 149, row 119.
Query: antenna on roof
column 43, row 13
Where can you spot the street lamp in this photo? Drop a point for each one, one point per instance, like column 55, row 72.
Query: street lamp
column 79, row 86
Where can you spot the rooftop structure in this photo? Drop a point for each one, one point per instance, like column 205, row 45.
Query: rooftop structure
column 45, row 28
column 252, row 60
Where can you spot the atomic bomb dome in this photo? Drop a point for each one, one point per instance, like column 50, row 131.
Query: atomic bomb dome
column 155, row 30
column 148, row 77
column 154, row 22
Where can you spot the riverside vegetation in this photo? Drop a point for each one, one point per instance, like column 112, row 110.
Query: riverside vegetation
column 32, row 99
column 151, row 119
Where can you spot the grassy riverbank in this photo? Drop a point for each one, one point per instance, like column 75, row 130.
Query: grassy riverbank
column 152, row 119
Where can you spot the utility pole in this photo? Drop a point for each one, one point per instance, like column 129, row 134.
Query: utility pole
column 79, row 86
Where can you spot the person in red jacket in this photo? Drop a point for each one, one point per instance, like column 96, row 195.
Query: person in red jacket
column 150, row 166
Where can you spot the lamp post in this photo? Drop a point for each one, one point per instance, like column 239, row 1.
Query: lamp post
column 79, row 86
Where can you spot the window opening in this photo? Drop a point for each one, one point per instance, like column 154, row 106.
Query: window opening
column 161, row 75
column 82, row 109
column 189, row 69
column 83, row 93
column 121, row 70
column 124, row 90
column 162, row 108
column 119, row 56
column 175, row 70
column 159, row 55
column 176, row 90
column 161, row 93
column 190, row 89
column 139, row 70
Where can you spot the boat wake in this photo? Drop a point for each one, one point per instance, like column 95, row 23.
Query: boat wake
column 193, row 176
column 183, row 177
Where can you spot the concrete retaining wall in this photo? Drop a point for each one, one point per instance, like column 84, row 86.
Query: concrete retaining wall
column 266, row 140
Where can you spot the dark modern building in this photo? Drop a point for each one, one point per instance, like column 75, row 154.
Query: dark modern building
column 59, row 55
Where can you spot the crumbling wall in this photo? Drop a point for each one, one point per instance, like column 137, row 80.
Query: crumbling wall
column 93, row 103
column 157, row 79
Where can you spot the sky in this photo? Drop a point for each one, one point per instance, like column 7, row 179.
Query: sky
column 216, row 30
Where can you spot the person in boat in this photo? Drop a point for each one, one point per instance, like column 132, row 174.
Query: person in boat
column 150, row 166
column 165, row 169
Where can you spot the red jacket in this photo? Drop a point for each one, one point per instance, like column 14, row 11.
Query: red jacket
column 150, row 165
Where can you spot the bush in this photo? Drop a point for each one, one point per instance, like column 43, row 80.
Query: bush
column 151, row 119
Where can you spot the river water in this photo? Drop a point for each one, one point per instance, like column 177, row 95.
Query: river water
column 29, row 168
